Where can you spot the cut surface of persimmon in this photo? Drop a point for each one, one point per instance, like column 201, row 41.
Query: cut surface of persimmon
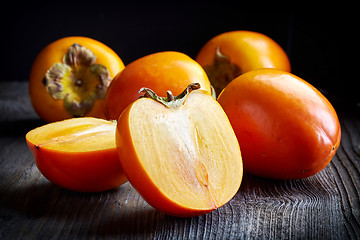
column 180, row 153
column 78, row 154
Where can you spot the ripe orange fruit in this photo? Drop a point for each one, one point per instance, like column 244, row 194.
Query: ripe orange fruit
column 180, row 153
column 78, row 154
column 228, row 55
column 286, row 128
column 70, row 78
column 160, row 72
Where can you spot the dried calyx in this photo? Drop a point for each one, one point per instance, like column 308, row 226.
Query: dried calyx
column 222, row 72
column 77, row 80
column 170, row 100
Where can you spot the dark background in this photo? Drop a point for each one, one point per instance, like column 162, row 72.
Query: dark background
column 320, row 40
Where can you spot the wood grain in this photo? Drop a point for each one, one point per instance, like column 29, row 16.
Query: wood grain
column 346, row 170
column 325, row 206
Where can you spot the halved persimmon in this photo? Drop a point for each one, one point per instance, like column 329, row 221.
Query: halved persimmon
column 180, row 153
column 160, row 72
column 228, row 55
column 78, row 154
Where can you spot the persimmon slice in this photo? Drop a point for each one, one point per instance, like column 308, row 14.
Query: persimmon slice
column 184, row 158
column 78, row 154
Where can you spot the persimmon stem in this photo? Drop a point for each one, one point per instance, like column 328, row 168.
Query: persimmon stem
column 170, row 96
column 170, row 101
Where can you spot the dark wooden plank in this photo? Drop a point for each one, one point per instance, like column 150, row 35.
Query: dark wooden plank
column 325, row 206
column 15, row 103
column 346, row 170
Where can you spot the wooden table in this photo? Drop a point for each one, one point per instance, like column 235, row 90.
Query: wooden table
column 325, row 206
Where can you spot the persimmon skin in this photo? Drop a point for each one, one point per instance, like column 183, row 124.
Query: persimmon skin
column 83, row 171
column 286, row 128
column 250, row 50
column 160, row 72
column 136, row 171
column 142, row 180
column 44, row 104
column 247, row 50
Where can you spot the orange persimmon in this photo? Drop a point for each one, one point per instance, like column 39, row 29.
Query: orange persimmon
column 286, row 128
column 78, row 154
column 230, row 54
column 180, row 153
column 160, row 72
column 70, row 78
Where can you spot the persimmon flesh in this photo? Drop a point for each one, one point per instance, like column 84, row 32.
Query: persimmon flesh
column 184, row 159
column 78, row 154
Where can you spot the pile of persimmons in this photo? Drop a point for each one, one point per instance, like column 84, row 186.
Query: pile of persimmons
column 173, row 126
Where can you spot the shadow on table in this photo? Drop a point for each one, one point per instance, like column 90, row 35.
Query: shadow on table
column 88, row 214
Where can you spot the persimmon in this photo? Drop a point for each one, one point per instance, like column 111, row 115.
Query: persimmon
column 160, row 72
column 70, row 78
column 286, row 128
column 180, row 153
column 78, row 154
column 228, row 55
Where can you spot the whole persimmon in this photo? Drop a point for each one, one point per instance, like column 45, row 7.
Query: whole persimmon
column 78, row 154
column 160, row 72
column 180, row 153
column 228, row 55
column 285, row 127
column 70, row 78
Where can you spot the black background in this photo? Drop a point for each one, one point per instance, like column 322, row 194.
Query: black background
column 320, row 40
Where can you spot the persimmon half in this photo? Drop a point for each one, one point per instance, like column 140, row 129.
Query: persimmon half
column 286, row 128
column 70, row 78
column 78, row 154
column 180, row 153
column 228, row 55
column 160, row 72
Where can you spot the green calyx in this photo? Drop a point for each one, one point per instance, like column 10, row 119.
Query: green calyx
column 222, row 72
column 170, row 101
column 78, row 80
